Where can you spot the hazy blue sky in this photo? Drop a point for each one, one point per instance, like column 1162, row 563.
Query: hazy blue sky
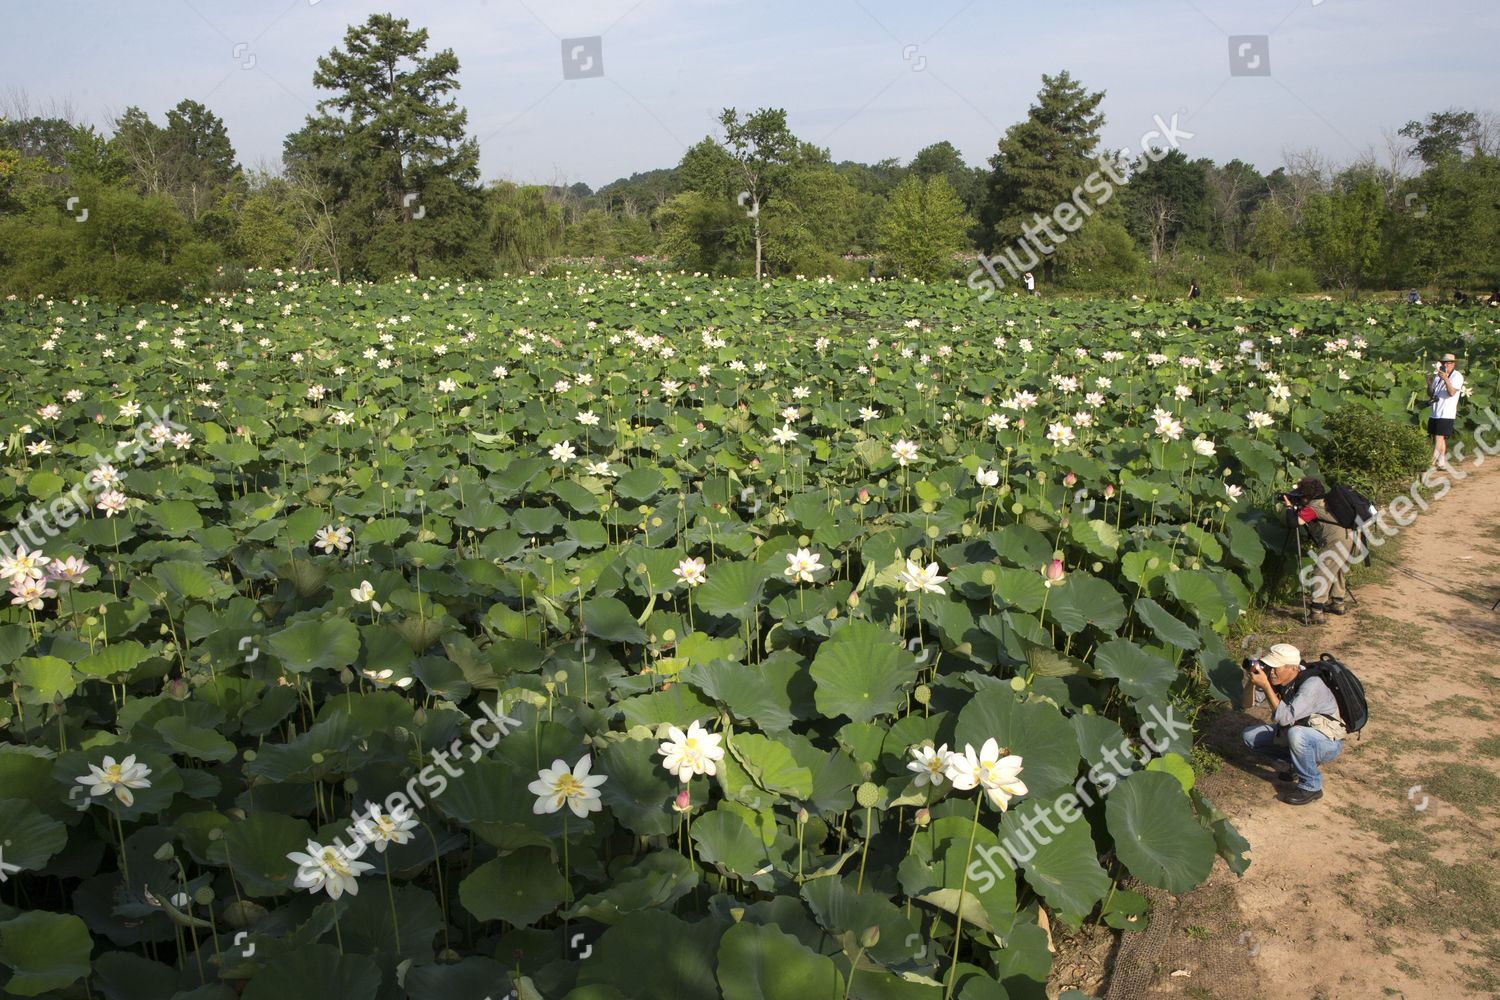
column 1342, row 70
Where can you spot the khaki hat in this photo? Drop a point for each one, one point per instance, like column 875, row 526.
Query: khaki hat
column 1449, row 357
column 1282, row 655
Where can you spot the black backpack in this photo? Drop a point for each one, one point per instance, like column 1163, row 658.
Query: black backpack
column 1354, row 710
column 1349, row 507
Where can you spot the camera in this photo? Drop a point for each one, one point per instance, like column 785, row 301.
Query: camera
column 1293, row 499
column 1249, row 664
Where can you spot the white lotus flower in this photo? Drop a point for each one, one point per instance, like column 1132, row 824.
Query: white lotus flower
column 997, row 775
column 802, row 564
column 563, row 452
column 557, row 786
column 691, row 572
column 917, row 578
column 1204, row 447
column 118, row 778
column 904, row 452
column 930, row 765
column 383, row 829
column 1060, row 434
column 327, row 868
column 331, row 539
column 784, row 435
column 693, row 752
column 1257, row 419
column 365, row 594
column 987, row 477
column 867, row 414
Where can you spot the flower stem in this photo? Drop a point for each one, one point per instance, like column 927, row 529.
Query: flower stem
column 958, row 931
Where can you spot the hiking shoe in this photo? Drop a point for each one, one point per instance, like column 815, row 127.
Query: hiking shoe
column 1301, row 797
column 1286, row 776
column 1316, row 617
column 1336, row 608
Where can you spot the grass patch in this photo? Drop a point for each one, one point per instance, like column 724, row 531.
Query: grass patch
column 1467, row 786
column 1460, row 705
column 1489, row 746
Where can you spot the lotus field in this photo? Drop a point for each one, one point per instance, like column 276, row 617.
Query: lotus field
column 630, row 635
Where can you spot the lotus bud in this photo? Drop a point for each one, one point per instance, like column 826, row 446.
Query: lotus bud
column 801, row 815
column 871, row 937
column 684, row 801
column 346, row 677
column 1069, row 479
column 420, row 715
column 177, row 689
column 1109, row 491
column 923, row 817
column 1054, row 573
column 864, row 495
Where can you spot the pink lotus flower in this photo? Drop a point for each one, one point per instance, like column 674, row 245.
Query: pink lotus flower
column 1054, row 573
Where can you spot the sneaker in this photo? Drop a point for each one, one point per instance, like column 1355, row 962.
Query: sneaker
column 1301, row 797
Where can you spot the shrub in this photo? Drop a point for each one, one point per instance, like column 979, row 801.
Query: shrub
column 1371, row 452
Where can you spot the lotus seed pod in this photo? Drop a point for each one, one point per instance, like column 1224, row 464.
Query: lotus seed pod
column 165, row 853
column 923, row 694
column 243, row 913
column 868, row 794
column 204, row 895
column 1018, row 684
column 317, row 757
column 351, row 785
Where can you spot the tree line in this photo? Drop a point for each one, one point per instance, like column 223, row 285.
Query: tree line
column 384, row 179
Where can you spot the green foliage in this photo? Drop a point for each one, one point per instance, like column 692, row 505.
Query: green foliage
column 1372, row 452
column 923, row 229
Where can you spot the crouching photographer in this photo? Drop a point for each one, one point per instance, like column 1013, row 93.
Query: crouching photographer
column 1307, row 728
column 1307, row 505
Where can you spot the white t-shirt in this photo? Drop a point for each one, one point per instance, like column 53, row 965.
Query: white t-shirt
column 1445, row 406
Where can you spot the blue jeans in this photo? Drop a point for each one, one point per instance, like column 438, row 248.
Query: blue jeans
column 1306, row 748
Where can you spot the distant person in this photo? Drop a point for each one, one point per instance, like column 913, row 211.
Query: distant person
column 1443, row 389
column 1306, row 728
column 1414, row 297
column 1494, row 300
column 1030, row 280
column 1459, row 298
column 1306, row 504
column 1194, row 291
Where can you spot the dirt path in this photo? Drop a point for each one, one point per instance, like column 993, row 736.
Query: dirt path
column 1390, row 885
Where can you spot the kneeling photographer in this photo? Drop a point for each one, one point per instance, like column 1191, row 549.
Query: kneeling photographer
column 1306, row 730
column 1306, row 505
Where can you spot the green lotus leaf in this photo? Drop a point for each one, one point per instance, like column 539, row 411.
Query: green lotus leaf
column 113, row 661
column 861, row 677
column 1083, row 600
column 41, row 680
column 256, row 848
column 1156, row 834
column 1168, row 629
column 316, row 970
column 519, row 888
column 1058, row 856
column 28, row 837
column 763, row 963
column 1142, row 675
column 681, row 957
column 609, row 619
column 661, row 878
column 733, row 589
column 44, row 951
column 726, row 839
column 771, row 765
column 310, row 645
column 194, row 741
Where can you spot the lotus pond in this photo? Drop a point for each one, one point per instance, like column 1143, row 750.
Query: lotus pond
column 631, row 635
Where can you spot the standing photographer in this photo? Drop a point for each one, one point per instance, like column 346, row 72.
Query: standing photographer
column 1443, row 389
column 1306, row 728
column 1334, row 543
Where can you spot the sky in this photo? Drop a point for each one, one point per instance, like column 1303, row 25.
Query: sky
column 867, row 79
